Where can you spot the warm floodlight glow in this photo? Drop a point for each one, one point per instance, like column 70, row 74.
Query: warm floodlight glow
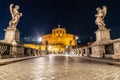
column 77, row 37
column 40, row 39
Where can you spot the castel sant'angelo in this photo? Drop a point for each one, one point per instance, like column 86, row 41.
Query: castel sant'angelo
column 57, row 41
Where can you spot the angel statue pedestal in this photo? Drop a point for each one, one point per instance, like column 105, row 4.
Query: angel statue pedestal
column 102, row 34
column 102, row 39
column 12, row 36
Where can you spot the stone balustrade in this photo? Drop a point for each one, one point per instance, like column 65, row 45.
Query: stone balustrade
column 111, row 50
column 83, row 51
column 9, row 50
column 5, row 50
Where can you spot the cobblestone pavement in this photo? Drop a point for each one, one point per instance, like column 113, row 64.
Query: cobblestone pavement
column 59, row 68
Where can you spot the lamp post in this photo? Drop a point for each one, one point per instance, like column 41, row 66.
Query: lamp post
column 70, row 45
column 46, row 48
column 76, row 43
column 40, row 40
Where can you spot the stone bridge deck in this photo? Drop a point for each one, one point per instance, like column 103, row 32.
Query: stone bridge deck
column 59, row 68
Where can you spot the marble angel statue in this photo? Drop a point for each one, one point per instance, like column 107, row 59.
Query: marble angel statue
column 15, row 16
column 101, row 13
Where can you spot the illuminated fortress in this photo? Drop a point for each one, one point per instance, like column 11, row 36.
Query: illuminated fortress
column 57, row 41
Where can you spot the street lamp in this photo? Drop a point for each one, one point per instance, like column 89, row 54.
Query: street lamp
column 40, row 40
column 76, row 43
column 46, row 48
column 70, row 42
column 76, row 37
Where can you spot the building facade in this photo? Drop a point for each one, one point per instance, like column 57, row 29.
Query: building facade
column 57, row 41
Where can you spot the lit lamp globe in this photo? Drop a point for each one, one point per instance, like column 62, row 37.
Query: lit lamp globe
column 77, row 37
column 40, row 39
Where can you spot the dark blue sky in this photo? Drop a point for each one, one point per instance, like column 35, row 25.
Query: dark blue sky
column 77, row 16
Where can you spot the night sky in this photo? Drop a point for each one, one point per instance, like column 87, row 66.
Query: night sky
column 77, row 16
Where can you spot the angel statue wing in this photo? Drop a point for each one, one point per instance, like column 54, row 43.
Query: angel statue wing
column 104, row 11
column 11, row 10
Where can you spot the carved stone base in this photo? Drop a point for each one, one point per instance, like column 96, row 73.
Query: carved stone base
column 98, row 51
column 102, row 37
column 12, row 36
column 17, row 51
column 102, row 34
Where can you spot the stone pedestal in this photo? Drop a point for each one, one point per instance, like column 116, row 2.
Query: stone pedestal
column 12, row 36
column 98, row 51
column 17, row 51
column 102, row 34
column 102, row 38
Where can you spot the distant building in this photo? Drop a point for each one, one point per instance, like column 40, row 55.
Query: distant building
column 58, row 40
